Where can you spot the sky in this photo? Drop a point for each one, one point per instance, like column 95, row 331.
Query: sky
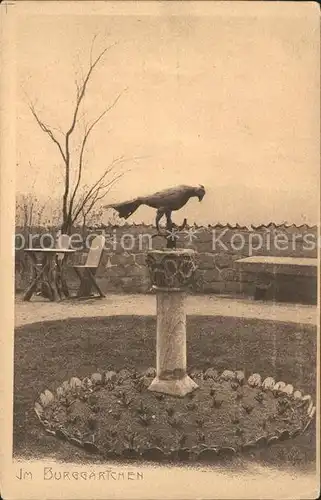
column 228, row 101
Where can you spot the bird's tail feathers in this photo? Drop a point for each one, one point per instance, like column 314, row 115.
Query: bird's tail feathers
column 127, row 208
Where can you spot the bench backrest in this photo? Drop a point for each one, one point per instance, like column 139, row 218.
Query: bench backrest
column 95, row 251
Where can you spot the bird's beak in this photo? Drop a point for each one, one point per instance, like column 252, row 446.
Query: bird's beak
column 200, row 192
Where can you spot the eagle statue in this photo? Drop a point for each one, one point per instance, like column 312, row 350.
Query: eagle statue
column 165, row 202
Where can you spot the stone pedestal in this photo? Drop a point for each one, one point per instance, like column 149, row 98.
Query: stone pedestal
column 171, row 273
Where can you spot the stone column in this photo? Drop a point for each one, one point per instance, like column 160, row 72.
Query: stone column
column 171, row 272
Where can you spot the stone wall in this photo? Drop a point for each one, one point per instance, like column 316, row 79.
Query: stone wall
column 123, row 268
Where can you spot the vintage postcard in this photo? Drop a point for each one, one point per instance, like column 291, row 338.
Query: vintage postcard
column 160, row 237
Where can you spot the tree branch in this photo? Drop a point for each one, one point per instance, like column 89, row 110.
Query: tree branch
column 98, row 184
column 94, row 197
column 47, row 130
column 82, row 88
column 101, row 187
column 92, row 48
column 102, row 177
column 83, row 144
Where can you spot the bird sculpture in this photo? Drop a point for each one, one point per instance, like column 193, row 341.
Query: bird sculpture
column 165, row 202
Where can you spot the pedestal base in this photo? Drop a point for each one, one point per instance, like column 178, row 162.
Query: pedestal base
column 176, row 387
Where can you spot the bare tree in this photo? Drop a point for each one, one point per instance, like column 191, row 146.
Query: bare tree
column 79, row 200
column 29, row 211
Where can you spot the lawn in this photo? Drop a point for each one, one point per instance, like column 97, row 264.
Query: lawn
column 48, row 353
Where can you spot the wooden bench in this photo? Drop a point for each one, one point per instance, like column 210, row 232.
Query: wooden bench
column 283, row 279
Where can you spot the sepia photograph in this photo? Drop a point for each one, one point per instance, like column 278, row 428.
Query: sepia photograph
column 160, row 220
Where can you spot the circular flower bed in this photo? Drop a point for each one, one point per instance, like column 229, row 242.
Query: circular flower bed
column 115, row 415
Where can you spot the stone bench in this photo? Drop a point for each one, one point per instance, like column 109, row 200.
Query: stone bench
column 283, row 279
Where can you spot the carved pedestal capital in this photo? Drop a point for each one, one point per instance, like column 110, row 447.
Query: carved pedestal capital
column 171, row 269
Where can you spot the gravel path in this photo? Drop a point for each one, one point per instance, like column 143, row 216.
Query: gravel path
column 39, row 309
